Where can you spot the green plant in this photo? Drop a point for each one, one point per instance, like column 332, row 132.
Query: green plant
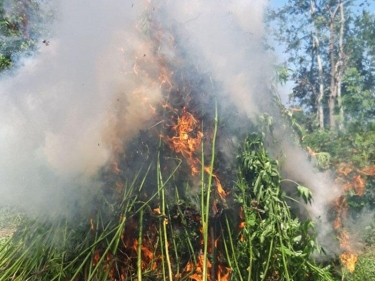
column 365, row 267
column 272, row 245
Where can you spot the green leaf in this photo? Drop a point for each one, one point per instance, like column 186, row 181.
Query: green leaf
column 305, row 194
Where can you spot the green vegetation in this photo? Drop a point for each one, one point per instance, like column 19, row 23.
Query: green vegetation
column 9, row 220
column 126, row 238
column 365, row 267
column 330, row 60
column 275, row 245
column 148, row 225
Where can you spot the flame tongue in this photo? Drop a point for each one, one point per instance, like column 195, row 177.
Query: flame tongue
column 187, row 139
column 349, row 260
column 351, row 179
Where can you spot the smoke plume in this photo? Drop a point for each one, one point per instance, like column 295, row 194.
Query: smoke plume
column 69, row 108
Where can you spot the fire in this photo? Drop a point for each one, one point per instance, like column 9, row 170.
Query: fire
column 350, row 179
column 242, row 224
column 115, row 167
column 348, row 257
column 368, row 170
column 359, row 185
column 140, row 245
column 187, row 138
column 223, row 273
column 219, row 188
column 337, row 223
column 344, row 235
column 349, row 260
column 198, row 269
column 96, row 258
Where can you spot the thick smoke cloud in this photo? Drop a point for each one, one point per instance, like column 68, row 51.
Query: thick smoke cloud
column 228, row 34
column 70, row 107
column 324, row 192
column 54, row 110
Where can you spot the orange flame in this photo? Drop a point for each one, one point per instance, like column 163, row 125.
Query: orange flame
column 242, row 224
column 350, row 178
column 195, row 271
column 359, row 185
column 219, row 188
column 349, row 260
column 115, row 168
column 368, row 170
column 187, row 138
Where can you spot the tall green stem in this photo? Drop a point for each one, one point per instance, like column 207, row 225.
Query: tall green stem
column 139, row 257
column 206, row 212
column 164, row 222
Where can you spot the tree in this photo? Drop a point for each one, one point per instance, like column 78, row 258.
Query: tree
column 318, row 37
column 358, row 83
column 22, row 23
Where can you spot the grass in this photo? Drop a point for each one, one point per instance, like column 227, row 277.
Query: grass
column 365, row 267
column 9, row 220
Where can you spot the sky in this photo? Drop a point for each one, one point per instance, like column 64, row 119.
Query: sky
column 279, row 3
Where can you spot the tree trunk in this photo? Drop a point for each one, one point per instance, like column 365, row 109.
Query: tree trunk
column 319, row 98
column 333, row 89
column 341, row 66
column 332, row 95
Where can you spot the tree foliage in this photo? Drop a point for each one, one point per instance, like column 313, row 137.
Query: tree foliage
column 22, row 23
column 326, row 42
column 305, row 30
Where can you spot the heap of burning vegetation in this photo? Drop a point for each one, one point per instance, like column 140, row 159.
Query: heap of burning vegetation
column 173, row 205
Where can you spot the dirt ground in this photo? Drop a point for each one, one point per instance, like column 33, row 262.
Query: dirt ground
column 6, row 232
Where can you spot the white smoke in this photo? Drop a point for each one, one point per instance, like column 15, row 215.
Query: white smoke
column 73, row 103
column 55, row 108
column 229, row 36
column 62, row 112
column 324, row 193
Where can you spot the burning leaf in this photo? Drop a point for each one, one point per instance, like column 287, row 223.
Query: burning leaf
column 359, row 185
column 344, row 169
column 368, row 170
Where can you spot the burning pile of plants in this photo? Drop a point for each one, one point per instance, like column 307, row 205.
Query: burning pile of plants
column 152, row 228
column 173, row 205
